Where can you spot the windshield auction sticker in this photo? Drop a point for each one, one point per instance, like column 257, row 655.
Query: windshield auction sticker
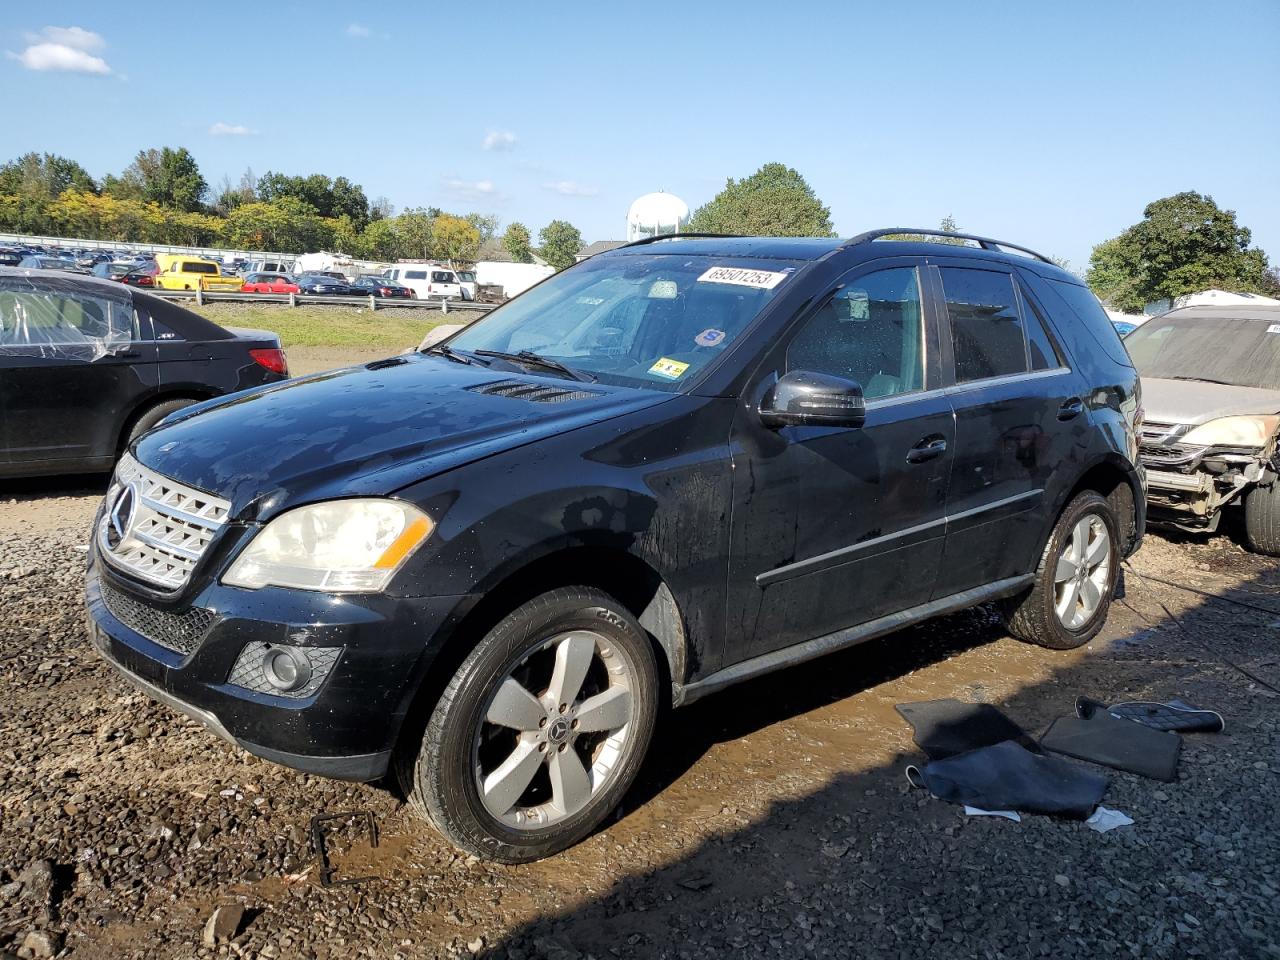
column 671, row 369
column 742, row 277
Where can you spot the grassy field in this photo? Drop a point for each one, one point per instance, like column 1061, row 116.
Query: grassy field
column 311, row 326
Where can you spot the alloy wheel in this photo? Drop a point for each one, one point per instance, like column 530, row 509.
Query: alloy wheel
column 554, row 730
column 1083, row 572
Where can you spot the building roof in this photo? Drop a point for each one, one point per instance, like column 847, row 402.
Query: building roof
column 600, row 246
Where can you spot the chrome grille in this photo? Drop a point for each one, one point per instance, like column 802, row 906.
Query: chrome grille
column 1159, row 446
column 167, row 528
column 180, row 632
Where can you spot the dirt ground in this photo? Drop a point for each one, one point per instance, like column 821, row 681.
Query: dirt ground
column 772, row 820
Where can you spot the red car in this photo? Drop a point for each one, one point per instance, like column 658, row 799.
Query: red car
column 268, row 283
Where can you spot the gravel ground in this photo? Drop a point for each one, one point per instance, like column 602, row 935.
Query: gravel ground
column 773, row 819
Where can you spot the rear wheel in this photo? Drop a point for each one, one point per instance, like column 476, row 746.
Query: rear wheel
column 1262, row 519
column 153, row 415
column 540, row 732
column 1075, row 581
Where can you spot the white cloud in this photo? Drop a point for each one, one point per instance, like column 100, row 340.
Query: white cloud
column 77, row 38
column 499, row 140
column 471, row 188
column 62, row 48
column 571, row 188
column 221, row 129
column 358, row 30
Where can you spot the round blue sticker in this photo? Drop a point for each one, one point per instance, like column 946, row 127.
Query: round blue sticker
column 709, row 338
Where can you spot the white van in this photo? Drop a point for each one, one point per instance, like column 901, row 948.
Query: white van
column 428, row 281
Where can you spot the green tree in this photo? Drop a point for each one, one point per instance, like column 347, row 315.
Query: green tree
column 561, row 242
column 166, row 176
column 380, row 240
column 29, row 186
column 414, row 229
column 517, row 243
column 773, row 201
column 1183, row 244
column 486, row 224
column 947, row 225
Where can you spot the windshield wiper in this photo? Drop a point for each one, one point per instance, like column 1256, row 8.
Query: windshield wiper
column 531, row 359
column 446, row 351
column 1225, row 383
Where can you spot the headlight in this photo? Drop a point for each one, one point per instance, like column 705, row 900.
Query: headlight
column 342, row 546
column 1234, row 432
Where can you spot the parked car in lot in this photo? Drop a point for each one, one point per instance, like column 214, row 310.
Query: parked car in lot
column 269, row 283
column 10, row 257
column 324, row 285
column 381, row 287
column 427, row 281
column 127, row 273
column 1211, row 440
column 43, row 262
column 89, row 365
column 672, row 467
column 182, row 272
column 467, row 281
column 268, row 266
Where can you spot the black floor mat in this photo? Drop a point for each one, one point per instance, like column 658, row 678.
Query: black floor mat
column 1007, row 776
column 1119, row 744
column 945, row 728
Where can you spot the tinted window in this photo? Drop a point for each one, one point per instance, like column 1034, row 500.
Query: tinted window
column 985, row 328
column 1086, row 306
column 869, row 331
column 415, row 274
column 441, row 277
column 1043, row 352
column 189, row 266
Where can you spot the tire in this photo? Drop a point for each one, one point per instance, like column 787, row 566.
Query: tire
column 1034, row 616
column 455, row 776
column 153, row 415
column 1262, row 519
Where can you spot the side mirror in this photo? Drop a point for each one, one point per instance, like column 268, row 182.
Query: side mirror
column 813, row 399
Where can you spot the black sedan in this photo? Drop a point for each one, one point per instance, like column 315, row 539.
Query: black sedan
column 325, row 285
column 132, row 274
column 381, row 287
column 89, row 365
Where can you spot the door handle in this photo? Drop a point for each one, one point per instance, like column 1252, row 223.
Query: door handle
column 1071, row 409
column 927, row 449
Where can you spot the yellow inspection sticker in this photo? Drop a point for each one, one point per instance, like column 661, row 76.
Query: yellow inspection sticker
column 671, row 369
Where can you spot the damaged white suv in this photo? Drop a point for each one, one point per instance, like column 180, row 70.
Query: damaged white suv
column 1211, row 390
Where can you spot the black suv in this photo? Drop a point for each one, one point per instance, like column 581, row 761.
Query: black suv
column 88, row 365
column 677, row 465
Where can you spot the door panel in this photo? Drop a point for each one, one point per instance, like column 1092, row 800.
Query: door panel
column 833, row 527
column 78, row 368
column 1017, row 417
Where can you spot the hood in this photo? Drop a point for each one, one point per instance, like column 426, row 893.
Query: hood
column 1196, row 402
column 366, row 431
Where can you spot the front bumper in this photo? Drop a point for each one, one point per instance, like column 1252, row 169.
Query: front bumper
column 375, row 648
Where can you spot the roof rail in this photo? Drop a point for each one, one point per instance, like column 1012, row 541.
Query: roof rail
column 986, row 243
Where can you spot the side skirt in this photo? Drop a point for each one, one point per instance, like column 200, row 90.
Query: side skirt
column 684, row 694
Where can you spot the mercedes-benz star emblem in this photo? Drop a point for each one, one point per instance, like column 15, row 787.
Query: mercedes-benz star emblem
column 120, row 516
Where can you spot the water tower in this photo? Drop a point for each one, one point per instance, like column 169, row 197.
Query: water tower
column 655, row 214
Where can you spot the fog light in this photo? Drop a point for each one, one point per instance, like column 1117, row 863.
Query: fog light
column 285, row 669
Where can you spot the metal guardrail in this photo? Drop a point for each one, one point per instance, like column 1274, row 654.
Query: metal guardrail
column 300, row 299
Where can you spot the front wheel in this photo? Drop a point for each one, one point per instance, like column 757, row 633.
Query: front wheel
column 540, row 732
column 1262, row 519
column 1075, row 580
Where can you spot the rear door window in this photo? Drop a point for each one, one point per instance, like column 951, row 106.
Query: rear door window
column 1042, row 351
column 441, row 276
column 986, row 330
column 415, row 274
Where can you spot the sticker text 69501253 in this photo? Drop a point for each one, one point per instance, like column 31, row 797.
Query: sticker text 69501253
column 742, row 277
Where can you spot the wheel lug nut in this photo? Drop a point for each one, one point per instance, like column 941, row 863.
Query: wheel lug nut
column 562, row 746
column 542, row 747
column 564, row 707
column 575, row 724
column 542, row 722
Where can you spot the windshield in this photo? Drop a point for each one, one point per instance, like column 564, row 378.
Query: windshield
column 652, row 320
column 1244, row 353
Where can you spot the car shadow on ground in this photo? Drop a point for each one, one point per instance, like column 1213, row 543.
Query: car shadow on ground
column 25, row 489
column 864, row 865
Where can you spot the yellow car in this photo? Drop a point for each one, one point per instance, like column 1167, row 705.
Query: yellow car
column 178, row 272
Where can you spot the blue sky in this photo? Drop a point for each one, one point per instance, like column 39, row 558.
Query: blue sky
column 1046, row 124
